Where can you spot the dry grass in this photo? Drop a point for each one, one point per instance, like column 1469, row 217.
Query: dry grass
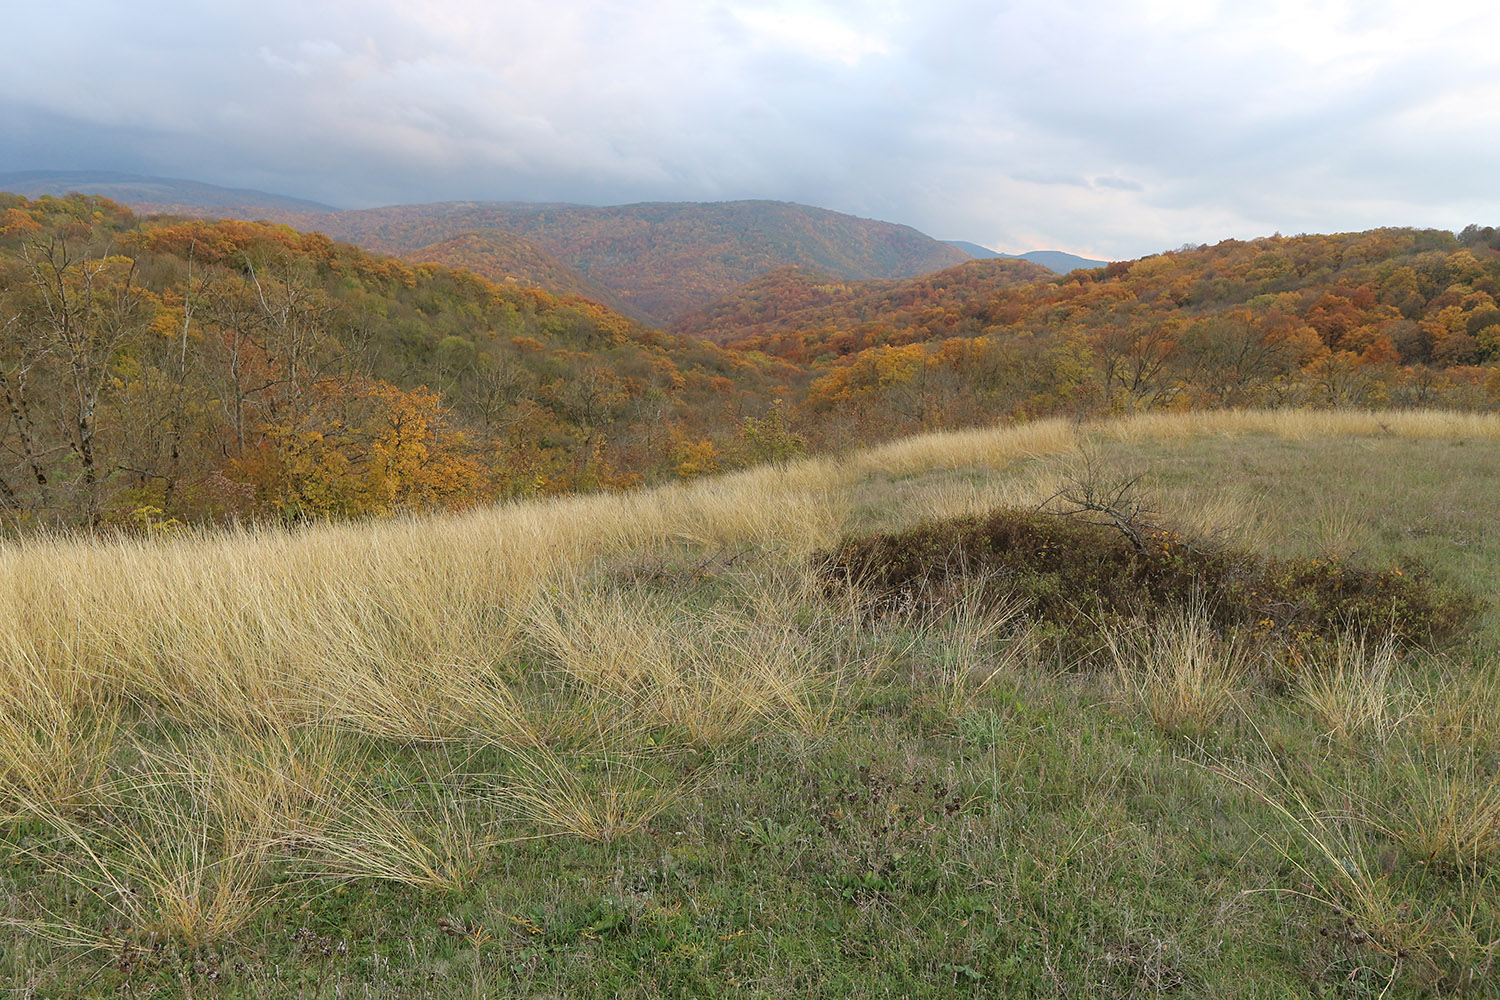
column 1448, row 807
column 52, row 756
column 163, row 857
column 978, row 448
column 711, row 675
column 1302, row 424
column 236, row 675
column 397, row 627
column 1339, row 865
column 972, row 644
column 1353, row 692
column 597, row 798
column 429, row 840
column 287, row 783
column 1179, row 672
column 1459, row 707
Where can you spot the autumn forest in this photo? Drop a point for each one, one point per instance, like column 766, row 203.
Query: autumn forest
column 158, row 370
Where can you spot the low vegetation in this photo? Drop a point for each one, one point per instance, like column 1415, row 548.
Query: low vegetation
column 833, row 728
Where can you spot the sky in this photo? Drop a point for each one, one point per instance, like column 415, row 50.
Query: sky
column 1110, row 129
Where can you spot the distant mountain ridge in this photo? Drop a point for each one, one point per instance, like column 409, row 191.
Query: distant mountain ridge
column 667, row 258
column 1056, row 261
column 159, row 194
column 655, row 260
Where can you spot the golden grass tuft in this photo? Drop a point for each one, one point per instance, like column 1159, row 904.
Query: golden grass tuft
column 163, row 858
column 429, row 840
column 53, row 756
column 711, row 674
column 1339, row 865
column 1447, row 807
column 1179, row 672
column 972, row 644
column 598, row 798
column 1459, row 707
column 1353, row 692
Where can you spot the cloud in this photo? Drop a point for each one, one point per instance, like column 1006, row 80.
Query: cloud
column 1112, row 129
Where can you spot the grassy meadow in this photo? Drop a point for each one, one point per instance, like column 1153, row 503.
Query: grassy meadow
column 638, row 745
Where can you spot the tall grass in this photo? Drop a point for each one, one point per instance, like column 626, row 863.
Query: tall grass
column 1447, row 807
column 163, row 859
column 191, row 724
column 1353, row 692
column 1179, row 671
column 711, row 674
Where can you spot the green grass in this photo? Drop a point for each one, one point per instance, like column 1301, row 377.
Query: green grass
column 888, row 806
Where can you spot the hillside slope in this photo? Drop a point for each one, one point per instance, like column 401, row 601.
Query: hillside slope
column 795, row 299
column 1392, row 316
column 667, row 258
column 639, row 744
column 211, row 370
column 505, row 257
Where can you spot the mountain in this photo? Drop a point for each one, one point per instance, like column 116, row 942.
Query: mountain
column 158, row 194
column 667, row 258
column 1055, row 261
column 974, row 249
column 655, row 260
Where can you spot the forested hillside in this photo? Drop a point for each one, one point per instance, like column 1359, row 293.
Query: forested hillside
column 167, row 369
column 197, row 370
column 1386, row 317
column 506, row 257
column 665, row 259
column 804, row 300
column 652, row 260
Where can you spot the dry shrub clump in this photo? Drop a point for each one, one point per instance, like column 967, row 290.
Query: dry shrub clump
column 1086, row 579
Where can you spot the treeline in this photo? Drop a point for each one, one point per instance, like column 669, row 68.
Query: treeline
column 160, row 370
column 1394, row 317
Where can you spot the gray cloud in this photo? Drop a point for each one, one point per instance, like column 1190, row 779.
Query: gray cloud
column 1111, row 129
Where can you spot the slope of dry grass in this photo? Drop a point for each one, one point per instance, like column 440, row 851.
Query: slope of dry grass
column 632, row 734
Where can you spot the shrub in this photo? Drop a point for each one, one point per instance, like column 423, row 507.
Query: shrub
column 1082, row 578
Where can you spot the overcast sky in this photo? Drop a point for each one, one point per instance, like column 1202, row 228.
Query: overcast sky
column 1111, row 129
